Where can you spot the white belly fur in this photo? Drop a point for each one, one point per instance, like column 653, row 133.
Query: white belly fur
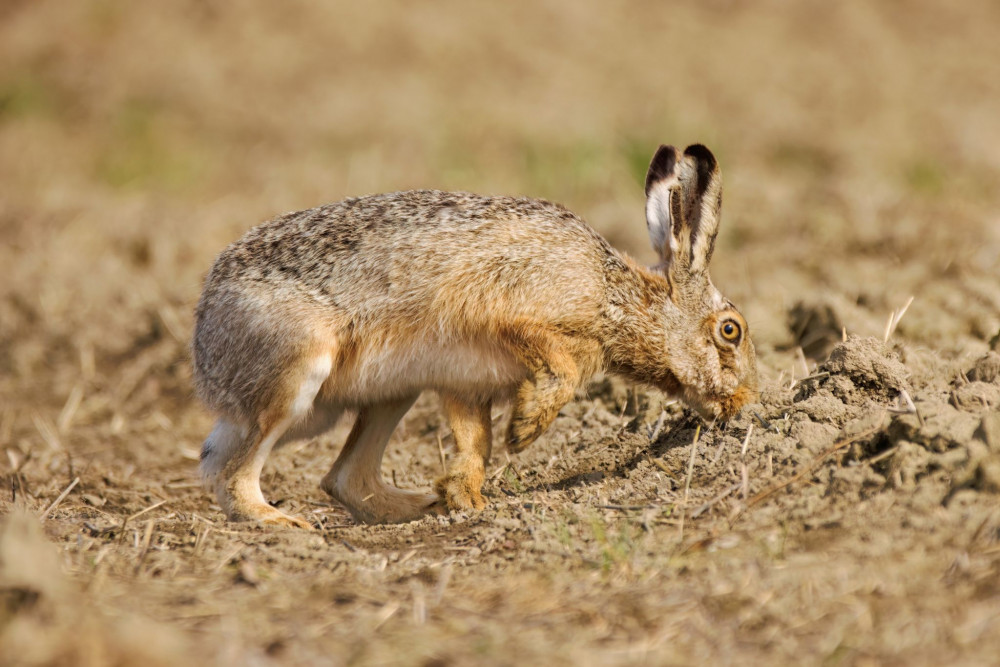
column 479, row 371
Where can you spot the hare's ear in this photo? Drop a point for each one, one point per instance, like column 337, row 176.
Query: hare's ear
column 683, row 198
column 701, row 182
column 662, row 183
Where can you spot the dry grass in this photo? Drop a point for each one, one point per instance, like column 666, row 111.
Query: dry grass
column 858, row 143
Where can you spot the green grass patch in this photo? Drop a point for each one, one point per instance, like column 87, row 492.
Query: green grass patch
column 26, row 95
column 925, row 177
column 139, row 154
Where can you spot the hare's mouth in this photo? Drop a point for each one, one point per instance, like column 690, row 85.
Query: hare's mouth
column 725, row 407
column 730, row 406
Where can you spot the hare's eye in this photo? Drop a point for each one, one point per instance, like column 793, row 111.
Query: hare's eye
column 730, row 331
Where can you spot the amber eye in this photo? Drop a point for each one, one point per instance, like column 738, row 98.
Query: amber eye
column 730, row 331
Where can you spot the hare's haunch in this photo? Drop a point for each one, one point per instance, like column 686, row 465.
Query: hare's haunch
column 363, row 304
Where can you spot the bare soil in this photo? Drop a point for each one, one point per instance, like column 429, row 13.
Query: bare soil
column 851, row 517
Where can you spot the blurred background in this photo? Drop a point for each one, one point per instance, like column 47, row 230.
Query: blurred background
column 860, row 147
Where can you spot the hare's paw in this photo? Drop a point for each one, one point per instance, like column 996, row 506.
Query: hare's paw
column 268, row 516
column 397, row 506
column 283, row 520
column 536, row 405
column 380, row 503
column 530, row 416
column 524, row 429
column 461, row 491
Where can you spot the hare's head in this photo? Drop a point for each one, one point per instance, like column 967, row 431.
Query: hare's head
column 708, row 346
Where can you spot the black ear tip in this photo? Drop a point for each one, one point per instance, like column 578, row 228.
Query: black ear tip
column 661, row 166
column 664, row 152
column 702, row 155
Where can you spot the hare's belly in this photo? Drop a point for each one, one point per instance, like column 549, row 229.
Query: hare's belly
column 476, row 370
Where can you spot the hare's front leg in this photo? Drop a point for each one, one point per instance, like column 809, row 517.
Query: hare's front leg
column 554, row 374
column 471, row 424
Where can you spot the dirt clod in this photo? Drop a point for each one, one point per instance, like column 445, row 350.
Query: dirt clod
column 937, row 426
column 989, row 431
column 824, row 406
column 976, row 396
column 814, row 436
column 986, row 368
column 870, row 366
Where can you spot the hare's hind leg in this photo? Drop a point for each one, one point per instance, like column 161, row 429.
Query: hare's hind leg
column 235, row 467
column 222, row 443
column 322, row 419
column 356, row 477
column 471, row 424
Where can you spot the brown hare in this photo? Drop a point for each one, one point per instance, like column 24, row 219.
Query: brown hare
column 363, row 304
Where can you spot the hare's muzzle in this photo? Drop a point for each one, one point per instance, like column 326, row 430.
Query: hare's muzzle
column 724, row 408
column 730, row 406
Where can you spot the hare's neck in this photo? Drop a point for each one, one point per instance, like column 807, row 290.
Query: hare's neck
column 636, row 325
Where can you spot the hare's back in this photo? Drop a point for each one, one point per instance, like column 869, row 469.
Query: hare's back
column 427, row 254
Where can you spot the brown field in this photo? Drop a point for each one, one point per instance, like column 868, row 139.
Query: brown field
column 860, row 144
